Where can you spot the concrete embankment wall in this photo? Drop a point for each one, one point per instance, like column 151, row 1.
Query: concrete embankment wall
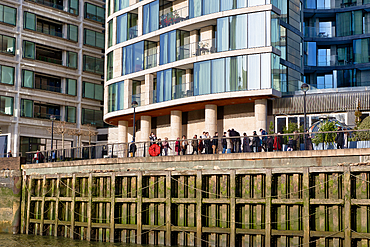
column 236, row 200
column 10, row 195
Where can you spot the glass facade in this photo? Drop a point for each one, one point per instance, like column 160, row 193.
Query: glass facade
column 70, row 114
column 93, row 117
column 174, row 45
column 116, row 96
column 109, row 65
column 94, row 12
column 133, row 56
column 120, row 4
column 93, row 65
column 151, row 17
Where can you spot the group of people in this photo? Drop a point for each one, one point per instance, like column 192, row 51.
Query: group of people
column 230, row 142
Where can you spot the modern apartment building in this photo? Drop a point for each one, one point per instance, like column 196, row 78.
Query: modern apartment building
column 52, row 64
column 336, row 63
column 199, row 65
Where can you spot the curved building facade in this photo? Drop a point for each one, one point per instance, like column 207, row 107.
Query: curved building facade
column 199, row 65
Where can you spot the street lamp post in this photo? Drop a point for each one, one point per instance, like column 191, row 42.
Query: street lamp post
column 304, row 88
column 134, row 104
column 52, row 118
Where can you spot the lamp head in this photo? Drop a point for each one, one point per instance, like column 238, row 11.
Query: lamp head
column 305, row 87
column 134, row 104
column 52, row 117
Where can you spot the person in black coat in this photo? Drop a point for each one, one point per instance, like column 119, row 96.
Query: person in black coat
column 339, row 139
column 256, row 142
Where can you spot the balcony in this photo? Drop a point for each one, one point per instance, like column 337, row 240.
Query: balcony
column 332, row 60
column 183, row 90
column 57, row 4
column 314, row 32
column 47, row 83
column 199, row 48
column 172, row 16
column 150, row 61
column 49, row 27
column 48, row 54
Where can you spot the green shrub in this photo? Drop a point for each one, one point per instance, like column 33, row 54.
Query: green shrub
column 325, row 137
column 365, row 135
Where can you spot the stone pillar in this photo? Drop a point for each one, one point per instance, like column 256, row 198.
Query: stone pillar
column 145, row 126
column 176, row 125
column 122, row 131
column 211, row 119
column 140, row 21
column 260, row 114
column 189, row 79
column 148, row 89
column 127, row 94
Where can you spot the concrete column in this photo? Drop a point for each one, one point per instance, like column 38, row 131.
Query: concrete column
column 188, row 79
column 260, row 114
column 122, row 131
column 176, row 124
column 148, row 89
column 140, row 21
column 127, row 94
column 211, row 119
column 206, row 33
column 145, row 122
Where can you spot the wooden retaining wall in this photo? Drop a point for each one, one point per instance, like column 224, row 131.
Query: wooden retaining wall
column 313, row 206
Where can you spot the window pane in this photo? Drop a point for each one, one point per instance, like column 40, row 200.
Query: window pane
column 27, row 108
column 138, row 56
column 72, row 59
column 110, row 33
column 238, row 39
column 71, row 114
column 202, row 82
column 227, row 5
column 6, row 105
column 7, row 75
column 29, row 21
column 73, row 7
column 115, row 96
column 109, row 65
column 99, row 92
column 121, row 28
column 89, row 90
column 195, row 8
column 89, row 37
column 211, row 6
column 254, row 72
column 146, row 19
column 256, row 30
column 71, row 87
column 10, row 15
column 28, row 49
column 28, row 78
column 7, row 44
column 100, row 14
column 218, row 75
column 100, row 40
column 222, row 34
column 73, row 32
column 154, row 16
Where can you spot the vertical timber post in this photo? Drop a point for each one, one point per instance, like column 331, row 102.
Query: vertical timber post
column 232, row 207
column 28, row 205
column 306, row 206
column 168, row 208
column 23, row 203
column 347, row 206
column 89, row 192
column 139, row 206
column 43, row 205
column 57, row 207
column 268, row 195
column 73, row 203
column 113, row 200
column 199, row 208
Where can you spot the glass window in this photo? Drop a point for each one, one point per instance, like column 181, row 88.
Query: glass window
column 310, row 54
column 222, row 34
column 218, row 75
column 7, row 104
column 94, row 12
column 265, row 70
column 228, row 4
column 236, row 73
column 116, row 96
column 73, row 6
column 28, row 49
column 133, row 58
column 71, row 85
column 28, row 78
column 195, row 8
column 93, row 65
column 7, row 75
column 255, row 2
column 72, row 33
column 254, row 72
column 92, row 91
column 110, row 33
column 93, row 117
column 110, row 65
column 7, row 44
column 120, row 4
column 210, row 6
column 151, row 17
column 72, row 59
column 167, row 53
column 238, row 38
column 361, row 50
column 202, row 78
column 26, row 108
column 29, row 21
column 164, row 85
column 8, row 14
column 93, row 38
column 256, row 30
column 126, row 27
column 70, row 114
